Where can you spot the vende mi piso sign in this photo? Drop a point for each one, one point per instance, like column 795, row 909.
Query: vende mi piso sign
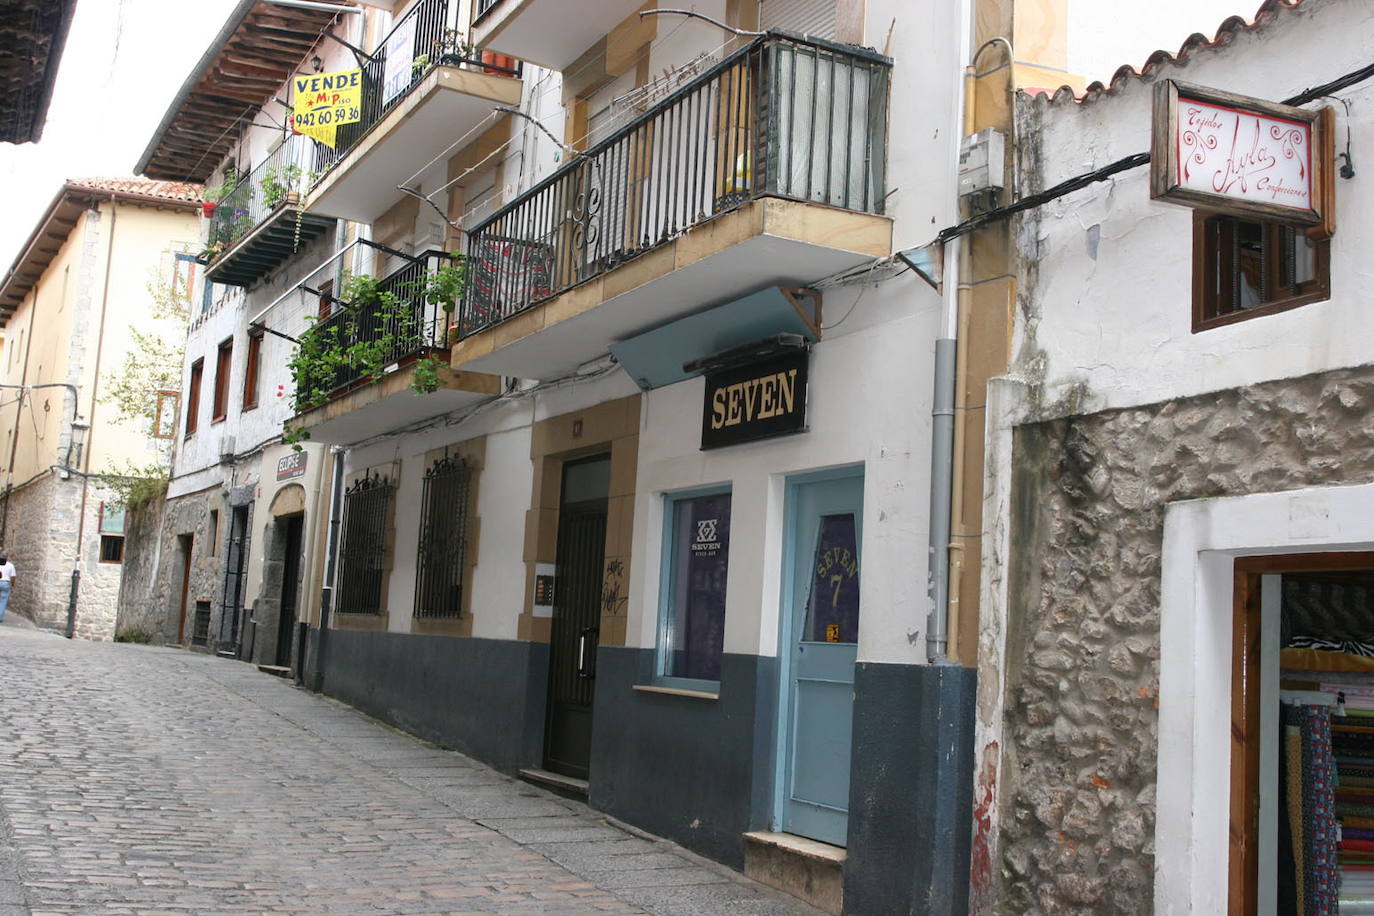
column 1230, row 153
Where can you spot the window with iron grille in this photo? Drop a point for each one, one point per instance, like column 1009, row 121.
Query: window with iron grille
column 446, row 503
column 362, row 556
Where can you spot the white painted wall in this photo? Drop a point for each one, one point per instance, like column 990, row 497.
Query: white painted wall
column 1115, row 312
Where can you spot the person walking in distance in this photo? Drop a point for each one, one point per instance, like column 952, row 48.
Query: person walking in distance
column 7, row 573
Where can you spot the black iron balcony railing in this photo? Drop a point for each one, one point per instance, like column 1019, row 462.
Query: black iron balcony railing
column 392, row 329
column 278, row 179
column 784, row 116
column 433, row 42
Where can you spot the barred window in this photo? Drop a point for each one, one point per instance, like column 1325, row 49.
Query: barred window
column 362, row 556
column 443, row 552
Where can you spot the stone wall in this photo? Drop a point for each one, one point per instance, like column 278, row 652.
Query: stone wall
column 1082, row 681
column 150, row 599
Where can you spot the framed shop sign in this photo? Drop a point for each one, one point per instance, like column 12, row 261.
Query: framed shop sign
column 1243, row 156
column 756, row 401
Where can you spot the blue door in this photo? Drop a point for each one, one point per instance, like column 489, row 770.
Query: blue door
column 821, row 634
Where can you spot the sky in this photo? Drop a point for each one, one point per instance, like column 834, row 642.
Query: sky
column 125, row 60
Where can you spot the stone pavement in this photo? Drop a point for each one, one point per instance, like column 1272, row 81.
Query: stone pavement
column 140, row 780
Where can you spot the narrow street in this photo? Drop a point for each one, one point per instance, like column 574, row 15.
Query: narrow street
column 150, row 780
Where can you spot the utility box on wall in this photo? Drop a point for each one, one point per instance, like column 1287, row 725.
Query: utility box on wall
column 982, row 161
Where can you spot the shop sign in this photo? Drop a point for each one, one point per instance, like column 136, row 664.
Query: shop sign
column 1234, row 154
column 757, row 401
column 291, row 466
column 323, row 101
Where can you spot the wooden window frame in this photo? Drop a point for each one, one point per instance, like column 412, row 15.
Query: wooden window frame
column 224, row 365
column 1315, row 290
column 251, row 367
column 110, row 538
column 197, row 378
column 1243, row 858
column 166, row 401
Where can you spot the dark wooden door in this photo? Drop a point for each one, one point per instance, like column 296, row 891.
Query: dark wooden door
column 186, row 542
column 576, row 617
column 290, row 587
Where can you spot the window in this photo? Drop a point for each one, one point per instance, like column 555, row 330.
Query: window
column 250, row 370
column 697, row 548
column 224, row 362
column 193, row 395
column 165, row 419
column 111, row 548
column 363, row 553
column 326, row 298
column 111, row 518
column 183, row 275
column 1245, row 268
column 445, row 507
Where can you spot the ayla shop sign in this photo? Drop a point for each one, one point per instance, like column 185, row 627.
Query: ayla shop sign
column 757, row 401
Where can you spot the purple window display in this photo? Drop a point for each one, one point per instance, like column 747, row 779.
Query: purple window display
column 695, row 624
column 832, row 610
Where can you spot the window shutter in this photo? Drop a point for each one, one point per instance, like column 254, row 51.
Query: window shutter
column 810, row 17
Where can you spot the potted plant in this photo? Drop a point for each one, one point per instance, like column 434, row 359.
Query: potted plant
column 279, row 183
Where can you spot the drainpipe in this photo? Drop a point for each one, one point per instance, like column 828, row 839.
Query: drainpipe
column 330, row 552
column 942, row 408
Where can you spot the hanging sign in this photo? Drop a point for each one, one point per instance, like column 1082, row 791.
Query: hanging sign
column 326, row 100
column 399, row 53
column 1234, row 154
column 757, row 401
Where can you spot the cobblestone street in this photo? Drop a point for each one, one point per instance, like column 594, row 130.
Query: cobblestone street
column 149, row 780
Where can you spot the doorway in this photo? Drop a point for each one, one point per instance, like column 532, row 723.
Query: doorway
column 820, row 635
column 580, row 556
column 231, row 600
column 184, row 542
column 289, row 530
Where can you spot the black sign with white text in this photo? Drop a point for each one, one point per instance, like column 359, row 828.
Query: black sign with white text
column 757, row 401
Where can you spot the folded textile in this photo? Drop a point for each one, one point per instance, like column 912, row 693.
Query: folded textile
column 1357, row 845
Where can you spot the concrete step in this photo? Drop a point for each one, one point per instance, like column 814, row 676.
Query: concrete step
column 807, row 869
column 275, row 670
column 567, row 786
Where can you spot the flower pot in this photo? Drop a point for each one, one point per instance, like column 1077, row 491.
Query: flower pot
column 207, row 208
column 496, row 61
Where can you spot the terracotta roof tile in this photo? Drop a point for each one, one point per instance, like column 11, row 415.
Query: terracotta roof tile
column 139, row 187
column 1195, row 42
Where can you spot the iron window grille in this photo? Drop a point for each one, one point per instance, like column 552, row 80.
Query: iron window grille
column 446, row 503
column 362, row 556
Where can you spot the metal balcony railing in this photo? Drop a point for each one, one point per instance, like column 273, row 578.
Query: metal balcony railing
column 784, row 116
column 432, row 41
column 405, row 331
column 282, row 176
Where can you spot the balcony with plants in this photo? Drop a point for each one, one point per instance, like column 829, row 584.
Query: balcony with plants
column 378, row 357
column 424, row 88
column 767, row 170
column 551, row 33
column 254, row 222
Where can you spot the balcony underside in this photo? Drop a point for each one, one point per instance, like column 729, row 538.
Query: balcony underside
column 273, row 242
column 374, row 408
column 442, row 107
column 551, row 33
column 767, row 242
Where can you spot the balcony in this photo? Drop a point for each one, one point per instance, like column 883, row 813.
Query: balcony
column 367, row 361
column 410, row 117
column 551, row 33
column 768, row 170
column 259, row 225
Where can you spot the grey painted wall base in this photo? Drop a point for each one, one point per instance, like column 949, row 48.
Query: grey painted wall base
column 697, row 771
column 483, row 697
column 911, row 789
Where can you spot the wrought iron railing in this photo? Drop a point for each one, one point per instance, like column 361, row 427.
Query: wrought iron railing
column 425, row 38
column 781, row 117
column 402, row 326
column 280, row 178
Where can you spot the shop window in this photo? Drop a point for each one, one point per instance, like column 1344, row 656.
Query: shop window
column 445, row 506
column 224, row 363
column 193, row 395
column 111, row 548
column 1245, row 268
column 691, row 634
column 251, row 369
column 363, row 554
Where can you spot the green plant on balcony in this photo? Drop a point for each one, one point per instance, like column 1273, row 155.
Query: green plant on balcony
column 453, row 48
column 277, row 182
column 445, row 285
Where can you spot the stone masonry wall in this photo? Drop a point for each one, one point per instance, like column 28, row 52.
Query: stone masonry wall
column 40, row 531
column 150, row 599
column 1083, row 635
